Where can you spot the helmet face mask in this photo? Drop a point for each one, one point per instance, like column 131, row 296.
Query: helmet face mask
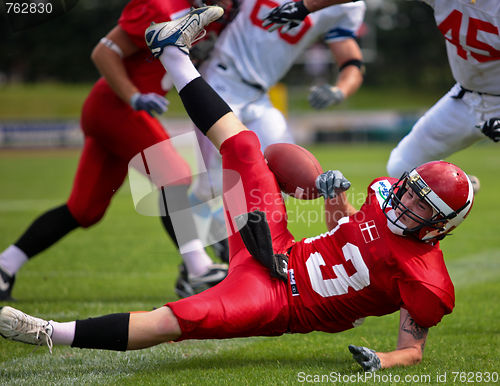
column 444, row 187
column 398, row 190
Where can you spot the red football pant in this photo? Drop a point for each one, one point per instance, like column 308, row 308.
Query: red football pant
column 114, row 133
column 249, row 301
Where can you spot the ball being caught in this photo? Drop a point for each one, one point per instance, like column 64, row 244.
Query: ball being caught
column 295, row 169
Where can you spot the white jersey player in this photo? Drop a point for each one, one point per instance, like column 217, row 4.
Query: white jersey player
column 248, row 60
column 472, row 107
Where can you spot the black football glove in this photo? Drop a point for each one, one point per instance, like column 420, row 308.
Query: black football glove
column 491, row 128
column 288, row 15
column 331, row 182
column 202, row 50
column 366, row 357
column 256, row 235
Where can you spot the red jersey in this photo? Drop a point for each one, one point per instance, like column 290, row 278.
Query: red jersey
column 360, row 268
column 137, row 15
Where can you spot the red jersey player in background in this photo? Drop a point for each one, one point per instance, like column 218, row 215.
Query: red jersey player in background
column 375, row 261
column 118, row 122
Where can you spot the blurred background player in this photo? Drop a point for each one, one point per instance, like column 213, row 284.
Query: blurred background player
column 118, row 123
column 471, row 109
column 383, row 258
column 242, row 69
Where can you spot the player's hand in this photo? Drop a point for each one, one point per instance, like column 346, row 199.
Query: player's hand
column 149, row 102
column 491, row 128
column 202, row 50
column 332, row 182
column 366, row 357
column 325, row 95
column 288, row 15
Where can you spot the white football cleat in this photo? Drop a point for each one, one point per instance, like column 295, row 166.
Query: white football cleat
column 20, row 327
column 182, row 32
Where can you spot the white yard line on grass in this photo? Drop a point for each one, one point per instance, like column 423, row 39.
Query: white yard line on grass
column 476, row 268
column 30, row 204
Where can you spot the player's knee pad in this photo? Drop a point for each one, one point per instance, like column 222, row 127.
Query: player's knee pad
column 87, row 217
column 244, row 146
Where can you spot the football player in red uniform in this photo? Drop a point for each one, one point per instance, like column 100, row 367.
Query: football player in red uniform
column 375, row 261
column 118, row 122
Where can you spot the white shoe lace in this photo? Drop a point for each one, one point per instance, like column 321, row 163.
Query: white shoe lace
column 200, row 36
column 26, row 325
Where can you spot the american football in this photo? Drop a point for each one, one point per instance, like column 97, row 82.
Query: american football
column 295, row 169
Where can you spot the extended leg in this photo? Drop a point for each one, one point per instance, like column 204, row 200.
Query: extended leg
column 205, row 107
column 447, row 127
column 118, row 332
column 44, row 232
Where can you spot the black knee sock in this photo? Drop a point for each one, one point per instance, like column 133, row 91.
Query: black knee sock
column 174, row 199
column 203, row 105
column 109, row 332
column 169, row 227
column 46, row 230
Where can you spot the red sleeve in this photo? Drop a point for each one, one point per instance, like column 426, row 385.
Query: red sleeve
column 426, row 304
column 138, row 15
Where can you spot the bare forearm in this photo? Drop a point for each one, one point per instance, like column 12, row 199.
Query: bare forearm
column 411, row 343
column 350, row 80
column 350, row 77
column 402, row 357
column 336, row 208
column 112, row 69
column 409, row 351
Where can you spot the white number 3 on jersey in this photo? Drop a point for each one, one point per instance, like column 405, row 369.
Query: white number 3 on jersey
column 340, row 285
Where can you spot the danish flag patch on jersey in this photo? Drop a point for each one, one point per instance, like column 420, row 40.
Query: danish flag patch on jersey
column 369, row 231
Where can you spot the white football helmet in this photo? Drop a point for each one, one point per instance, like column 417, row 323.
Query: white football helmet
column 445, row 187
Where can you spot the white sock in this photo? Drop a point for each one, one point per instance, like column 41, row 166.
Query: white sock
column 196, row 259
column 179, row 66
column 12, row 259
column 63, row 333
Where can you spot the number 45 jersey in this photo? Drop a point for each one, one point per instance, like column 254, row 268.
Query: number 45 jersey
column 361, row 268
column 472, row 32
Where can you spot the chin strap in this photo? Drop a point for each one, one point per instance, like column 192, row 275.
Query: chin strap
column 395, row 226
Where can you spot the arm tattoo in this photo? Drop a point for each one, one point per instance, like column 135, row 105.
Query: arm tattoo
column 411, row 327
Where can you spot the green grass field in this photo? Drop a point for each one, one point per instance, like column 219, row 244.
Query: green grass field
column 63, row 101
column 127, row 263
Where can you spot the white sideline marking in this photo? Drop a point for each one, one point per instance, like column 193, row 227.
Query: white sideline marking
column 103, row 367
column 476, row 268
column 69, row 366
column 29, row 204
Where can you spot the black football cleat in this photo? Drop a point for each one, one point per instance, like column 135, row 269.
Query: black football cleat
column 188, row 285
column 221, row 250
column 6, row 285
